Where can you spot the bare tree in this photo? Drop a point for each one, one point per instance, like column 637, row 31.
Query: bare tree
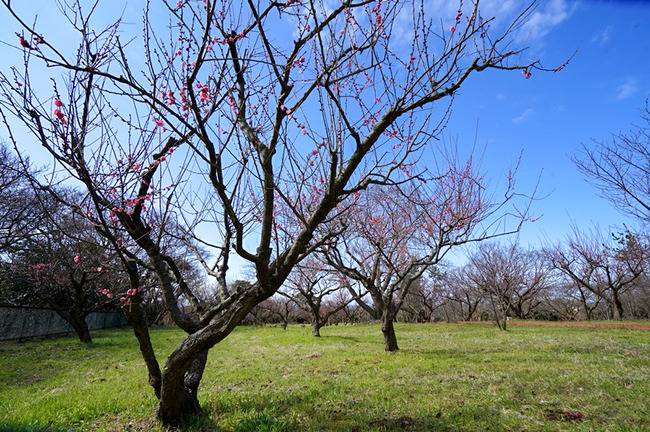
column 343, row 300
column 310, row 286
column 565, row 301
column 423, row 299
column 278, row 308
column 512, row 278
column 620, row 168
column 465, row 298
column 493, row 269
column 223, row 118
column 605, row 267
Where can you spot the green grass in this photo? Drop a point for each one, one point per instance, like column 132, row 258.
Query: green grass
column 448, row 377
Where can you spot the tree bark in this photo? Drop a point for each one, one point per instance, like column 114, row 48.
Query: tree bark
column 387, row 328
column 180, row 384
column 617, row 310
column 138, row 321
column 81, row 327
column 315, row 328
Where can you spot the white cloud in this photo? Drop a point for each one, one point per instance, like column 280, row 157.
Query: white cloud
column 524, row 116
column 602, row 37
column 627, row 89
column 500, row 96
column 544, row 18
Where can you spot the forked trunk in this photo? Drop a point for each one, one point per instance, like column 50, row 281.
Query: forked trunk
column 387, row 328
column 178, row 396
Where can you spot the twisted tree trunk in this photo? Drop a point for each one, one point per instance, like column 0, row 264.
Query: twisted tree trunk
column 388, row 330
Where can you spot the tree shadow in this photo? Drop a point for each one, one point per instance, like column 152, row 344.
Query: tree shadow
column 31, row 428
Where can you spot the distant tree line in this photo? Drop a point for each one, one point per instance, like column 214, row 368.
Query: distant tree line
column 589, row 277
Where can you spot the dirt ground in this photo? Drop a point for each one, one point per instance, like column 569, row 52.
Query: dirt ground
column 565, row 323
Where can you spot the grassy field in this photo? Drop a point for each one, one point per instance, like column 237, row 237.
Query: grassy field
column 447, row 377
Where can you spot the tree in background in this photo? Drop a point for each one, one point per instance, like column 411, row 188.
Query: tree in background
column 393, row 235
column 513, row 279
column 606, row 267
column 278, row 308
column 220, row 124
column 465, row 298
column 62, row 265
column 424, row 298
column 311, row 287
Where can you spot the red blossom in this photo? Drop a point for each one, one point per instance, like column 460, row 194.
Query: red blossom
column 24, row 43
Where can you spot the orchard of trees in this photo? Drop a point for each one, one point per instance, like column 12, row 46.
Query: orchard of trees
column 312, row 155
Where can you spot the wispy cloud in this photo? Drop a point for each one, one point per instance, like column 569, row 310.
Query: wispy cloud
column 544, row 18
column 524, row 115
column 602, row 37
column 627, row 89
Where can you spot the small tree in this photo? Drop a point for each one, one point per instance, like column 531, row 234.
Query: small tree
column 310, row 286
column 277, row 309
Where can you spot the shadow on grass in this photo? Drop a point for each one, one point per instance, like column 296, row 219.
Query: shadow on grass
column 30, row 428
column 339, row 338
column 306, row 410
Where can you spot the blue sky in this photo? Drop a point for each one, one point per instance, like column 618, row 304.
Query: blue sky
column 551, row 115
column 548, row 116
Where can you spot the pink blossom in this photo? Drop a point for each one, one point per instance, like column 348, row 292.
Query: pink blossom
column 58, row 103
column 170, row 98
column 99, row 269
column 77, row 259
column 452, row 29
